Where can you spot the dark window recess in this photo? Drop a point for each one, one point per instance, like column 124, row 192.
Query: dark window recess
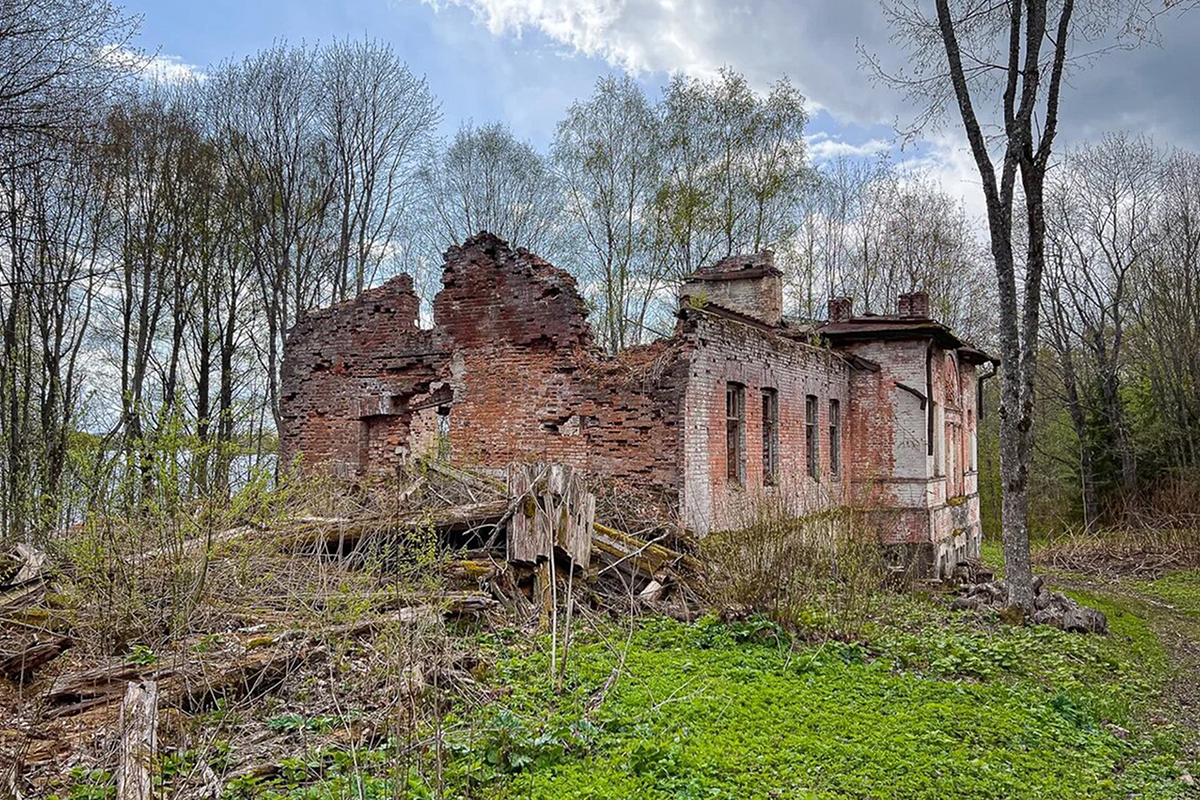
column 443, row 433
column 929, row 399
column 811, row 436
column 735, row 433
column 770, row 436
column 835, row 438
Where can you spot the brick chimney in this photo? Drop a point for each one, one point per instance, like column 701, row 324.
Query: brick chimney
column 915, row 304
column 841, row 309
column 748, row 284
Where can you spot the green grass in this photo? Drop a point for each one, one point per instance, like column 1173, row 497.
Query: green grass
column 1181, row 590
column 940, row 706
column 930, row 705
column 710, row 712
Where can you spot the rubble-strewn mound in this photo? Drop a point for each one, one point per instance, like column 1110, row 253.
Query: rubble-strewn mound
column 980, row 591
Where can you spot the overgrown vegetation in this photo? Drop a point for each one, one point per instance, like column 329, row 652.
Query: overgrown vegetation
column 815, row 682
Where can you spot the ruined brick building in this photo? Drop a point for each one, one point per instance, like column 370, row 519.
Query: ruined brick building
column 740, row 403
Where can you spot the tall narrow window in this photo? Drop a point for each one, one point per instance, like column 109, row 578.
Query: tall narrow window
column 443, row 433
column 735, row 433
column 929, row 407
column 971, row 453
column 835, row 438
column 770, row 436
column 811, row 436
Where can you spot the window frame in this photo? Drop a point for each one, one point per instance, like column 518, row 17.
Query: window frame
column 770, row 436
column 812, row 436
column 735, row 433
column 835, row 437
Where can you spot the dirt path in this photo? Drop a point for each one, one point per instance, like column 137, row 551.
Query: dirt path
column 1179, row 632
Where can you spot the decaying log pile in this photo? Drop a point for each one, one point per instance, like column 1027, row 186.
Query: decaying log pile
column 340, row 534
column 20, row 666
column 188, row 686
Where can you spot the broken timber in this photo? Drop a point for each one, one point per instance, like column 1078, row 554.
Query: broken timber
column 139, row 741
column 345, row 532
column 555, row 509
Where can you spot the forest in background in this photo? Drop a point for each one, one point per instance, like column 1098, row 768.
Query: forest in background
column 160, row 237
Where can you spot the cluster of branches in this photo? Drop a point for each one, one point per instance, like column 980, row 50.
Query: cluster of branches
column 634, row 194
column 159, row 240
column 1122, row 312
column 871, row 231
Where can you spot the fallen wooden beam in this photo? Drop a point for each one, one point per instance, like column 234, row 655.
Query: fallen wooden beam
column 347, row 532
column 21, row 577
column 648, row 557
column 464, row 476
column 21, row 665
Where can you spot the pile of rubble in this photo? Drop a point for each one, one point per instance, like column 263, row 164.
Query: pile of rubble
column 979, row 589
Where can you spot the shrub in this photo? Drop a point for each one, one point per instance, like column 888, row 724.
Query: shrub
column 821, row 571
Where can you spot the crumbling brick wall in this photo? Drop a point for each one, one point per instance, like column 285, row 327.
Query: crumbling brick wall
column 926, row 502
column 519, row 333
column 348, row 377
column 510, row 357
column 529, row 383
column 748, row 284
column 509, row 372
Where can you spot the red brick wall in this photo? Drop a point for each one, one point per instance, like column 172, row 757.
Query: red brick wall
column 726, row 350
column 349, row 369
column 512, row 344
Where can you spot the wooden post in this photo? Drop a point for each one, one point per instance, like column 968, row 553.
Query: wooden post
column 139, row 740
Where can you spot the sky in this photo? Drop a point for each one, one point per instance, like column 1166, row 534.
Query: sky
column 524, row 61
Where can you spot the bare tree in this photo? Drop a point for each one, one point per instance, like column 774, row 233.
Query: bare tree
column 733, row 168
column 379, row 119
column 58, row 60
column 1101, row 209
column 267, row 121
column 1001, row 66
column 606, row 153
column 489, row 180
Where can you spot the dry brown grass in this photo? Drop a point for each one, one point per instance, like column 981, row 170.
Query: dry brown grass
column 1134, row 552
column 240, row 628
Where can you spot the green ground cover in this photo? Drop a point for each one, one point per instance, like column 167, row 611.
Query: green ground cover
column 941, row 706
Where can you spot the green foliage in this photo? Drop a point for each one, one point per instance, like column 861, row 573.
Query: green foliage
column 90, row 784
column 507, row 744
column 933, row 706
column 1179, row 589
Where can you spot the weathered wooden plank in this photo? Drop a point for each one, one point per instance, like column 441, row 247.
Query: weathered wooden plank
column 522, row 541
column 139, row 741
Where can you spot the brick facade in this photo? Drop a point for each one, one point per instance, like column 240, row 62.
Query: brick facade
column 509, row 372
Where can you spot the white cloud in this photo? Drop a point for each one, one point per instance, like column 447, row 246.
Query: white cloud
column 823, row 147
column 636, row 35
column 817, row 45
column 947, row 160
column 811, row 43
column 158, row 67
